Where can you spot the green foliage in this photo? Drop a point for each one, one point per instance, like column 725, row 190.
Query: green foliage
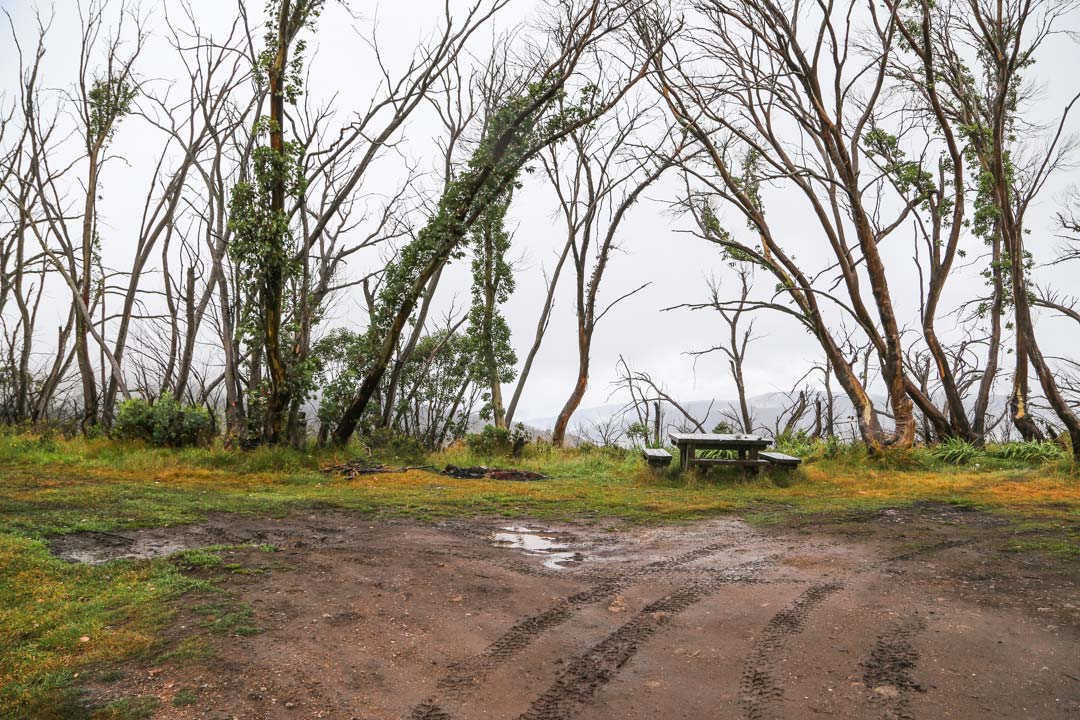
column 909, row 176
column 734, row 252
column 388, row 444
column 110, row 99
column 430, row 387
column 494, row 442
column 340, row 360
column 955, row 451
column 439, row 375
column 266, row 258
column 797, row 443
column 638, row 432
column 165, row 422
column 1028, row 452
column 493, row 283
column 304, row 14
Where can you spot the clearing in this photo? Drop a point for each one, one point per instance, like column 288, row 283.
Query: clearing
column 203, row 584
column 911, row 613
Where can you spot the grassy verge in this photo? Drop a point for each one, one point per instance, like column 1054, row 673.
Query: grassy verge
column 58, row 620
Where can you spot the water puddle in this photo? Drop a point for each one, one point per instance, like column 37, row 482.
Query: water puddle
column 538, row 543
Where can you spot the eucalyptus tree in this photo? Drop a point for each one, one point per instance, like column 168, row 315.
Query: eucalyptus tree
column 493, row 279
column 28, row 390
column 104, row 91
column 783, row 97
column 321, row 175
column 456, row 100
column 493, row 283
column 987, row 100
column 262, row 243
column 535, row 116
column 737, row 338
column 187, row 119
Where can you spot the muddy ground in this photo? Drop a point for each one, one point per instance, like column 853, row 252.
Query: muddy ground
column 915, row 613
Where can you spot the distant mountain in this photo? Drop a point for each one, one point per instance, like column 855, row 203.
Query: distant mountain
column 768, row 410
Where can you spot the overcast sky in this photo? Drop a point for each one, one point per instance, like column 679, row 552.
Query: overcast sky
column 656, row 246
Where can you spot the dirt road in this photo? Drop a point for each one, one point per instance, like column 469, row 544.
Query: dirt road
column 896, row 614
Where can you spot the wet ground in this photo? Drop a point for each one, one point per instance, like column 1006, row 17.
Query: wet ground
column 915, row 613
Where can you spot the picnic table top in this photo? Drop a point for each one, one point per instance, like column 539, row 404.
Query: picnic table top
column 719, row 440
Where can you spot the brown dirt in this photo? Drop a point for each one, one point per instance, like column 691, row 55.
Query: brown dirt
column 897, row 614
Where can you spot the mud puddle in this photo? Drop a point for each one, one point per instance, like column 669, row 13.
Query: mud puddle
column 538, row 543
column 94, row 547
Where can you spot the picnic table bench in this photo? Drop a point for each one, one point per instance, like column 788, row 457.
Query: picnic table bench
column 656, row 457
column 748, row 448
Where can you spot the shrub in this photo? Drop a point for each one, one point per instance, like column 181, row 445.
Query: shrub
column 798, row 443
column 955, row 451
column 388, row 444
column 834, row 446
column 165, row 422
column 492, row 441
column 1031, row 452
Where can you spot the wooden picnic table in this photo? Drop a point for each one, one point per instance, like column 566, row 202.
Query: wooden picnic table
column 747, row 447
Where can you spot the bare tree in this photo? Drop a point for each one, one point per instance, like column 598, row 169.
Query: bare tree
column 1007, row 37
column 735, row 344
column 529, row 122
column 604, row 177
column 771, row 76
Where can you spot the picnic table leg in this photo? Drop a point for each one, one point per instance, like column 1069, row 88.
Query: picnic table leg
column 754, row 456
column 690, row 454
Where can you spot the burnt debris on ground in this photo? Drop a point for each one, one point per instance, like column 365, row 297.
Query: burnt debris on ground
column 362, row 466
column 478, row 472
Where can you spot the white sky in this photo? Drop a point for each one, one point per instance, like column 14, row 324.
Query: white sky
column 654, row 249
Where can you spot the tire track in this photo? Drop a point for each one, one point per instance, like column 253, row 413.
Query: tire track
column 596, row 667
column 759, row 689
column 463, row 677
column 928, row 550
column 889, row 670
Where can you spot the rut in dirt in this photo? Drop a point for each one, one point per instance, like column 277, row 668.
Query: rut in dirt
column 596, row 667
column 759, row 690
column 889, row 671
column 465, row 676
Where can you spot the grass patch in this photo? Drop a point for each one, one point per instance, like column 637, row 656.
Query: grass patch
column 57, row 618
column 138, row 707
column 185, row 697
column 192, row 648
column 226, row 618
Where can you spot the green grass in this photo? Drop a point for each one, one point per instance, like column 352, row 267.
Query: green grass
column 226, row 618
column 51, row 486
column 185, row 697
column 131, row 708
